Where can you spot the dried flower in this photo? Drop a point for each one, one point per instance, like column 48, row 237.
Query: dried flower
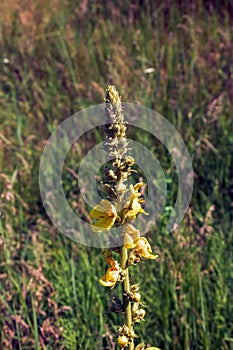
column 116, row 305
column 143, row 249
column 139, row 315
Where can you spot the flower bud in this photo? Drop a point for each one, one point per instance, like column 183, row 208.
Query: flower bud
column 141, row 314
column 136, row 297
column 123, row 341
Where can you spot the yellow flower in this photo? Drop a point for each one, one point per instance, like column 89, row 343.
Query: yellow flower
column 106, row 215
column 112, row 274
column 133, row 206
column 143, row 249
column 131, row 234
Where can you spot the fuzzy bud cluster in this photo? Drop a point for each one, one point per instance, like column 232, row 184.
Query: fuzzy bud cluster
column 116, row 146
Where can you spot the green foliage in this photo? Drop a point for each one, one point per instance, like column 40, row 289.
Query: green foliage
column 56, row 58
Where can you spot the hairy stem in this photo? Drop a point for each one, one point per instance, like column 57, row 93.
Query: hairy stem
column 125, row 290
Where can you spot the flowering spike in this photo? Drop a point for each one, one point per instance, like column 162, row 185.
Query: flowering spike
column 122, row 205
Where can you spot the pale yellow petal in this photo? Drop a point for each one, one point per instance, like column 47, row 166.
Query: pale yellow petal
column 103, row 224
column 105, row 207
column 105, row 283
column 131, row 234
column 150, row 256
column 143, row 249
column 129, row 242
column 138, row 185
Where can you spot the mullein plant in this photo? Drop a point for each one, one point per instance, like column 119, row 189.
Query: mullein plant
column 120, row 208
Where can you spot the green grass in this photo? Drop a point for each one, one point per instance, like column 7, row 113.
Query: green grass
column 61, row 57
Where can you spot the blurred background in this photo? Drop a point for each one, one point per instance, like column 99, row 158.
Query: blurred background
column 56, row 58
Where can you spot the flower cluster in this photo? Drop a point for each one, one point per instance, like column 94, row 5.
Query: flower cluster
column 107, row 214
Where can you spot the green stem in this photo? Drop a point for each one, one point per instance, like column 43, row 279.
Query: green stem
column 125, row 290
